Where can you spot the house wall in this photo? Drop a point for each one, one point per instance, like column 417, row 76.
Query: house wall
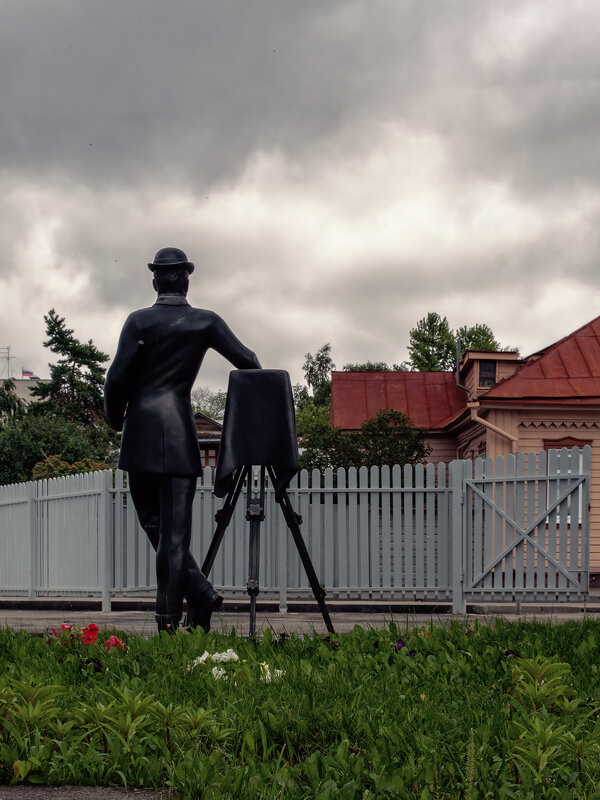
column 471, row 442
column 579, row 424
column 443, row 448
column 469, row 379
column 204, row 426
column 507, row 420
column 504, row 369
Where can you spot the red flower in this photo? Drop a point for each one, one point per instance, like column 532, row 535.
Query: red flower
column 90, row 634
column 114, row 641
column 65, row 627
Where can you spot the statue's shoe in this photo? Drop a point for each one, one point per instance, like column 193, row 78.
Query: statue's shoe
column 166, row 622
column 199, row 615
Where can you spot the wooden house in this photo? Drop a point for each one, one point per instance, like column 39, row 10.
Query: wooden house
column 496, row 404
column 209, row 438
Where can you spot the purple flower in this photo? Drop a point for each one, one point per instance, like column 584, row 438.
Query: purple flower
column 399, row 645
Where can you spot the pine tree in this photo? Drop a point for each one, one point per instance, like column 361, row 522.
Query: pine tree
column 75, row 389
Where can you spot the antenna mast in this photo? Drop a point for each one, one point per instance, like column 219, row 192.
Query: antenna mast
column 5, row 354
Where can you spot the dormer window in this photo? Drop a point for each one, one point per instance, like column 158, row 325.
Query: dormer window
column 487, row 373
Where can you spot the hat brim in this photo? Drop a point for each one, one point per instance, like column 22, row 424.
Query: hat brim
column 187, row 265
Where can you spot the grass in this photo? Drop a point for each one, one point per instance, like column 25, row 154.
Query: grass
column 499, row 711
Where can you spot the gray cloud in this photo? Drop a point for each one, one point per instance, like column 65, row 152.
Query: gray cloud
column 336, row 170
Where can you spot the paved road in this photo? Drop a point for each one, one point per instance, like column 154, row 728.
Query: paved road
column 53, row 612
column 142, row 623
column 31, row 792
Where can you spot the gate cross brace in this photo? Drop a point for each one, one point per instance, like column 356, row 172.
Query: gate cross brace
column 525, row 533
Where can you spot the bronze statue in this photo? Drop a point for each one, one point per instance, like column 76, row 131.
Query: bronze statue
column 147, row 395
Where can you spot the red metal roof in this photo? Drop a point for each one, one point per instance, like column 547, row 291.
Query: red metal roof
column 566, row 370
column 430, row 399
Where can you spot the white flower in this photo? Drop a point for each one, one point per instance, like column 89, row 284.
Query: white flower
column 218, row 673
column 200, row 660
column 266, row 675
column 228, row 655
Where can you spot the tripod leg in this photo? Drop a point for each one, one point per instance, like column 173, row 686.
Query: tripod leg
column 223, row 518
column 253, row 566
column 293, row 524
column 255, row 513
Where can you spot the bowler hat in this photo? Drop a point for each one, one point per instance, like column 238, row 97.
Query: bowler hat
column 171, row 258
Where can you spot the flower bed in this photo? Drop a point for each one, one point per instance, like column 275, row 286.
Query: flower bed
column 504, row 710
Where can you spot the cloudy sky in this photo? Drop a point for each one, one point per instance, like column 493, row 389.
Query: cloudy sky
column 335, row 168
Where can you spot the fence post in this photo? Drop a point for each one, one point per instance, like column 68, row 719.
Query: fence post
column 281, row 575
column 33, row 539
column 456, row 484
column 105, row 535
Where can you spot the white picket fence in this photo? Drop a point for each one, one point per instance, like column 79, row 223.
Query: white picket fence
column 514, row 529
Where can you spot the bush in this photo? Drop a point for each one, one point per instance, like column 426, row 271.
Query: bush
column 55, row 467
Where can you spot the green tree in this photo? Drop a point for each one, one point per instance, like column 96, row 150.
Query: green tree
column 208, row 402
column 65, row 420
column 25, row 441
column 391, row 438
column 11, row 406
column 478, row 337
column 321, row 445
column 300, row 395
column 368, row 366
column 388, row 438
column 432, row 345
column 75, row 389
column 317, row 372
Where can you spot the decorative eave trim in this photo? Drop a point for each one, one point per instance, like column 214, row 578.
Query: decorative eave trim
column 470, row 435
column 563, row 425
column 520, row 403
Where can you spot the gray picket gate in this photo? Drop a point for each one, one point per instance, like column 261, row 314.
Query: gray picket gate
column 509, row 530
column 525, row 528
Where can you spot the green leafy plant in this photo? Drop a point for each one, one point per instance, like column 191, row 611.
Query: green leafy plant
column 446, row 710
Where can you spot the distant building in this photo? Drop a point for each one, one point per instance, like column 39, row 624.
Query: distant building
column 23, row 387
column 209, row 438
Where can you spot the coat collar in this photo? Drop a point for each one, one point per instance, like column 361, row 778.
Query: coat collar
column 171, row 300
